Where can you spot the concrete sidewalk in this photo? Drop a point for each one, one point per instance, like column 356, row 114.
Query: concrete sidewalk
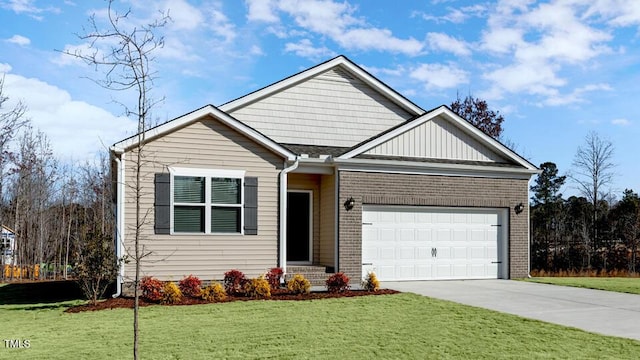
column 603, row 312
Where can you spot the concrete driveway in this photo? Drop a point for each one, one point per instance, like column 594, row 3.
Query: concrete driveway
column 602, row 312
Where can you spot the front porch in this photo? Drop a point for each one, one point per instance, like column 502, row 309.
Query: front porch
column 311, row 226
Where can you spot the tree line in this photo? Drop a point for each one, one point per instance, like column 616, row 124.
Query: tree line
column 52, row 207
column 591, row 231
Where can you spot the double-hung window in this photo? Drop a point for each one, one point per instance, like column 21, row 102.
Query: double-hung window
column 207, row 201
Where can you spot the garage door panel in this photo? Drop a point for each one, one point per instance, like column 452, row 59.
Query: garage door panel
column 414, row 243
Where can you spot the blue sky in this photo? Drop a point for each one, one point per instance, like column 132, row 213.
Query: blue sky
column 555, row 69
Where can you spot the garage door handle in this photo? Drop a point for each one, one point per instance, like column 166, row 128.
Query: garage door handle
column 367, row 263
column 434, row 252
column 496, row 262
column 367, row 223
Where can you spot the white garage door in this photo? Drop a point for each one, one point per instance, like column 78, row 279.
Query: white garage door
column 425, row 243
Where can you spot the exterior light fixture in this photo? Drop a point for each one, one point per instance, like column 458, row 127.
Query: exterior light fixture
column 349, row 203
column 518, row 208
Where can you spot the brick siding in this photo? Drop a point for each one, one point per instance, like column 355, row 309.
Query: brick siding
column 430, row 190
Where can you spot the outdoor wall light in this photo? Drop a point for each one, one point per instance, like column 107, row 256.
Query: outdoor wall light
column 349, row 204
column 519, row 208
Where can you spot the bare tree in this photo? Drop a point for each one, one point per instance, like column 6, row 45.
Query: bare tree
column 127, row 60
column 593, row 174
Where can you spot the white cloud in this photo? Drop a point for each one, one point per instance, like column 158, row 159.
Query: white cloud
column 378, row 39
column 576, row 96
column 19, row 40
column 183, row 15
column 621, row 122
column 4, row 68
column 440, row 76
column 305, row 48
column 444, row 42
column 261, row 10
column 76, row 129
column 455, row 15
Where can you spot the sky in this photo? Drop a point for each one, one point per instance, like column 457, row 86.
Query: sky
column 556, row 70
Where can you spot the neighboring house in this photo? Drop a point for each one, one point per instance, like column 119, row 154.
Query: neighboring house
column 8, row 246
column 327, row 170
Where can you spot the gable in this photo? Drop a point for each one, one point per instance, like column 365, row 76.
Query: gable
column 437, row 138
column 333, row 108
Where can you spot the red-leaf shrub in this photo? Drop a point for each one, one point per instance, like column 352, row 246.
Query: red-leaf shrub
column 151, row 288
column 190, row 286
column 234, row 281
column 337, row 282
column 274, row 276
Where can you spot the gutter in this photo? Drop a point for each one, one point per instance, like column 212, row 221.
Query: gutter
column 119, row 235
column 283, row 213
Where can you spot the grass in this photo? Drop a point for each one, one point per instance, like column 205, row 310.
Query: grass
column 618, row 284
column 387, row 326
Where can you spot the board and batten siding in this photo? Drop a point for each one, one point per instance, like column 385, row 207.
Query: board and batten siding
column 204, row 144
column 436, row 139
column 332, row 109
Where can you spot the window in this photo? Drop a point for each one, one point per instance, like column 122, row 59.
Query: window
column 207, row 201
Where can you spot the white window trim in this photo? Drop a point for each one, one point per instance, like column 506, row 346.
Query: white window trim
column 208, row 174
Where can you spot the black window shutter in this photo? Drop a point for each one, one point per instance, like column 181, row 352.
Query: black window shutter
column 162, row 203
column 251, row 206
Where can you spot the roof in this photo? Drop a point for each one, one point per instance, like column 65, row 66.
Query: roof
column 339, row 61
column 208, row 110
column 315, row 151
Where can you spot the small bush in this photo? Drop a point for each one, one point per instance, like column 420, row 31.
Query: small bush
column 214, row 293
column 371, row 282
column 338, row 282
column 190, row 286
column 274, row 276
column 151, row 288
column 234, row 281
column 258, row 288
column 299, row 285
column 171, row 293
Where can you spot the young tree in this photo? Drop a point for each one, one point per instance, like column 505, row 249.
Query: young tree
column 477, row 112
column 127, row 59
column 97, row 266
column 593, row 174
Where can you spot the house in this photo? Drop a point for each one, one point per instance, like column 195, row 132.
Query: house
column 327, row 170
column 8, row 246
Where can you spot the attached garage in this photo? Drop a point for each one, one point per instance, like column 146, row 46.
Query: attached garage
column 432, row 243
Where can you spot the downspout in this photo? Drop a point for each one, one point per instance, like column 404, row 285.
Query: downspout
column 528, row 240
column 283, row 213
column 119, row 235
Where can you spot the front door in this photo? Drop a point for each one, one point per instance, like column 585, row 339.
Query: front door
column 299, row 226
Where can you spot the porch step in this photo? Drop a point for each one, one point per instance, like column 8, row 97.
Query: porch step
column 317, row 275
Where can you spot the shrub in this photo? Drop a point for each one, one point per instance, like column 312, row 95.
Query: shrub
column 274, row 276
column 96, row 267
column 171, row 293
column 234, row 281
column 371, row 282
column 338, row 282
column 299, row 285
column 151, row 288
column 258, row 288
column 214, row 293
column 190, row 286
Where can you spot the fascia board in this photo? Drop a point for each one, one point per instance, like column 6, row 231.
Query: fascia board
column 412, row 167
column 298, row 78
column 200, row 113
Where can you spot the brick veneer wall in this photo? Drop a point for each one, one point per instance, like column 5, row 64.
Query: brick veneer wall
column 429, row 190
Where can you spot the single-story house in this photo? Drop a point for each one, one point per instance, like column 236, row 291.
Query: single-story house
column 327, row 170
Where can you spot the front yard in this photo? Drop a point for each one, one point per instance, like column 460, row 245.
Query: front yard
column 387, row 326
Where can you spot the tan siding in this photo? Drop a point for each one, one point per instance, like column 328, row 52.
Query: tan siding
column 330, row 109
column 436, row 139
column 210, row 145
column 327, row 220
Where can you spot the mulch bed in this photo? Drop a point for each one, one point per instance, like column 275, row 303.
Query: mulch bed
column 127, row 303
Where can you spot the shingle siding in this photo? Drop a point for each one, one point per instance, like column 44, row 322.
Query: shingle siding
column 429, row 190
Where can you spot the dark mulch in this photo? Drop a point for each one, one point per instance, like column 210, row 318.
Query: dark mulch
column 127, row 303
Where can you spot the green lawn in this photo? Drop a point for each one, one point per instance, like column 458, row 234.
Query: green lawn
column 624, row 285
column 387, row 326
